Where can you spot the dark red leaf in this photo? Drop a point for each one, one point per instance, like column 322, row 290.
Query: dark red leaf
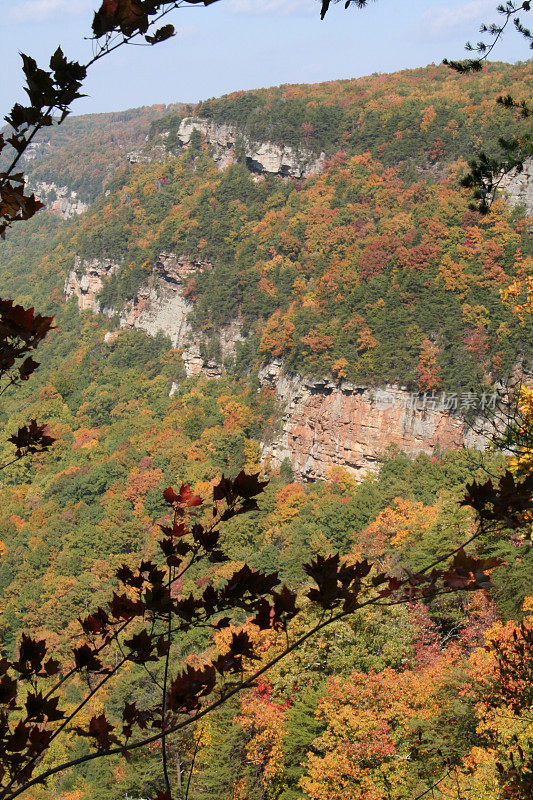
column 189, row 686
column 170, row 496
column 248, row 485
column 31, row 655
column 41, row 710
column 87, row 659
column 8, row 690
column 141, row 647
column 123, row 608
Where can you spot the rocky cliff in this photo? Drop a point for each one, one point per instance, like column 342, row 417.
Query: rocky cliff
column 59, row 199
column 262, row 157
column 159, row 306
column 156, row 152
column 86, row 279
column 517, row 187
column 327, row 424
column 324, row 424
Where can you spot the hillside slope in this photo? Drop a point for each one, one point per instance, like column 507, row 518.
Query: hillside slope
column 85, row 151
column 428, row 115
column 316, row 292
column 363, row 276
column 374, row 270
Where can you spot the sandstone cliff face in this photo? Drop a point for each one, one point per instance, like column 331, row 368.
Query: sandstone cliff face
column 154, row 153
column 160, row 306
column 326, row 425
column 60, row 199
column 86, row 279
column 262, row 157
column 35, row 151
column 517, row 187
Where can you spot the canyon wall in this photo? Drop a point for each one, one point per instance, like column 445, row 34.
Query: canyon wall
column 59, row 199
column 159, row 306
column 86, row 279
column 517, row 187
column 261, row 157
column 326, row 424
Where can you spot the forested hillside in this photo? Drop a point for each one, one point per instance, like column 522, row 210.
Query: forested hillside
column 351, row 273
column 425, row 115
column 71, row 517
column 373, row 271
column 84, row 152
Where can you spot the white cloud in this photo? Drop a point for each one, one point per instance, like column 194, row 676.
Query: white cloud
column 281, row 7
column 41, row 10
column 445, row 22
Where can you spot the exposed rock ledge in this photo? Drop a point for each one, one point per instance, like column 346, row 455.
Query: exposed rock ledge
column 160, row 306
column 262, row 157
column 327, row 424
column 60, row 199
column 517, row 187
column 85, row 281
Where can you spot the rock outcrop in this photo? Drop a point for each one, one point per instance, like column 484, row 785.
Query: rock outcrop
column 327, row 424
column 86, row 280
column 262, row 157
column 159, row 306
column 146, row 156
column 517, row 187
column 60, row 199
column 35, row 151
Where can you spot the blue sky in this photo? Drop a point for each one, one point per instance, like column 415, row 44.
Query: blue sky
column 242, row 44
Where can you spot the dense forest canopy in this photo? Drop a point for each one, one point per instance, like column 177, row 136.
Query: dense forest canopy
column 83, row 152
column 417, row 114
column 73, row 516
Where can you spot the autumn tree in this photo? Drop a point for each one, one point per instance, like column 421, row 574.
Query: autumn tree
column 428, row 370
